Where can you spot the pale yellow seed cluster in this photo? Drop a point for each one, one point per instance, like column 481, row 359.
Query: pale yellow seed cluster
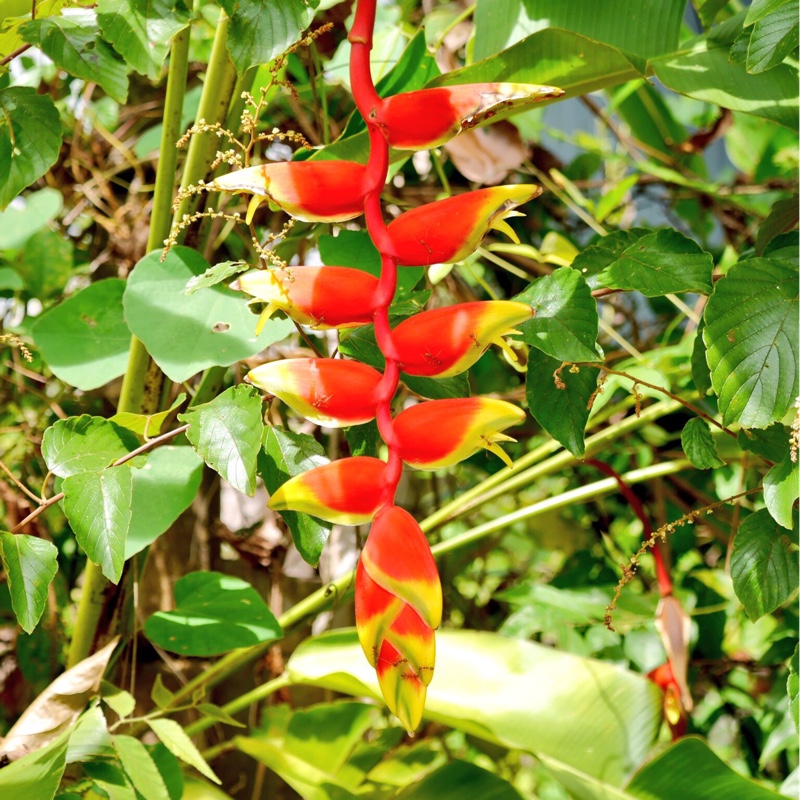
column 15, row 341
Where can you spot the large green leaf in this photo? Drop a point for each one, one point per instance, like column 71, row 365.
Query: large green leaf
column 460, row 779
column 28, row 216
column 30, row 565
column 226, row 433
column 84, row 444
column 642, row 27
column 214, row 613
column 75, row 45
column 751, row 336
column 162, row 490
column 588, row 714
column 773, row 37
column 187, row 333
column 140, row 30
column 763, row 564
column 565, row 322
column 285, row 455
column 46, row 263
column 781, row 490
column 37, row 775
column 98, row 507
column 30, row 139
column 596, row 257
column 562, row 410
column 260, row 31
column 85, row 340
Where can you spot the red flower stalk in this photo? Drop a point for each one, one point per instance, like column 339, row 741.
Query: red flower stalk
column 312, row 191
column 448, row 341
column 440, row 433
column 328, row 391
column 449, row 230
column 346, row 492
column 398, row 606
column 321, row 297
column 430, row 117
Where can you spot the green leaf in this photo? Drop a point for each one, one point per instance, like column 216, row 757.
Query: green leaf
column 261, row 31
column 217, row 714
column 709, row 9
column 763, row 568
column 771, row 443
column 782, row 218
column 186, row 334
column 760, row 8
column 460, row 779
column 213, row 614
column 84, row 444
column 773, row 38
column 180, row 745
column 226, row 433
column 141, row 30
column 661, row 263
column 28, row 216
column 562, row 717
column 364, row 440
column 285, row 455
column 751, row 337
column 30, row 140
column 147, row 425
column 160, row 695
column 10, row 280
column 162, row 490
column 793, row 687
column 110, row 780
column 74, row 44
column 781, row 490
column 701, row 374
column 89, row 738
column 98, row 508
column 85, row 340
column 46, row 263
column 30, row 565
column 214, row 275
column 122, row 703
column 564, row 325
column 140, row 768
column 37, row 775
column 595, row 258
column 699, row 444
column 562, row 412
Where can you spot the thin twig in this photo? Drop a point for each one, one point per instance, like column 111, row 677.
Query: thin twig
column 19, row 484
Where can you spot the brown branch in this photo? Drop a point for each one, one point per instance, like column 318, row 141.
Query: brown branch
column 19, row 484
column 11, row 56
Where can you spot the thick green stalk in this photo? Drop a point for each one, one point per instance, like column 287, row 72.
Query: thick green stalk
column 141, row 384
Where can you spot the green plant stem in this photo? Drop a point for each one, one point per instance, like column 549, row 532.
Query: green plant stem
column 89, row 610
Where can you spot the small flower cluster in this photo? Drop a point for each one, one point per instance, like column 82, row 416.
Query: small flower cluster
column 398, row 593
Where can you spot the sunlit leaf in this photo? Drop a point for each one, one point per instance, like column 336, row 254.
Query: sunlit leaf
column 36, row 776
column 140, row 768
column 180, row 745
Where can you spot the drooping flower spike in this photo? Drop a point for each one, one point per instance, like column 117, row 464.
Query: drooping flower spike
column 440, row 433
column 447, row 341
column 430, row 117
column 327, row 391
column 398, row 606
column 451, row 229
column 311, row 191
column 322, row 297
column 345, row 492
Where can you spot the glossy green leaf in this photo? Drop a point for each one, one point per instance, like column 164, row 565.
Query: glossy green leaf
column 761, row 8
column 90, row 738
column 565, row 322
column 561, row 409
column 37, row 775
column 28, row 216
column 286, row 454
column 226, row 433
column 213, row 614
column 660, row 263
column 98, row 507
column 85, row 340
column 140, row 768
column 699, row 444
column 30, row 565
column 74, row 44
column 214, row 275
column 595, row 258
column 773, row 37
column 783, row 216
column 772, row 443
column 185, row 334
column 763, row 565
column 180, row 745
column 260, row 31
column 141, row 30
column 751, row 336
column 84, row 444
column 162, row 490
column 589, row 714
column 781, row 490
column 30, row 140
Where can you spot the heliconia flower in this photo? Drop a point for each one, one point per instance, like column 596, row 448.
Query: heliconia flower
column 440, row 433
column 446, row 341
column 322, row 297
column 451, row 229
column 345, row 492
column 429, row 117
column 398, row 606
column 675, row 713
column 312, row 191
column 328, row 391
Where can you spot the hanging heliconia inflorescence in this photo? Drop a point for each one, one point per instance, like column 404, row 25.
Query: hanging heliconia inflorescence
column 398, row 593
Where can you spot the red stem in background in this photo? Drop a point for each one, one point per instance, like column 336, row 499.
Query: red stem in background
column 662, row 573
column 368, row 102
